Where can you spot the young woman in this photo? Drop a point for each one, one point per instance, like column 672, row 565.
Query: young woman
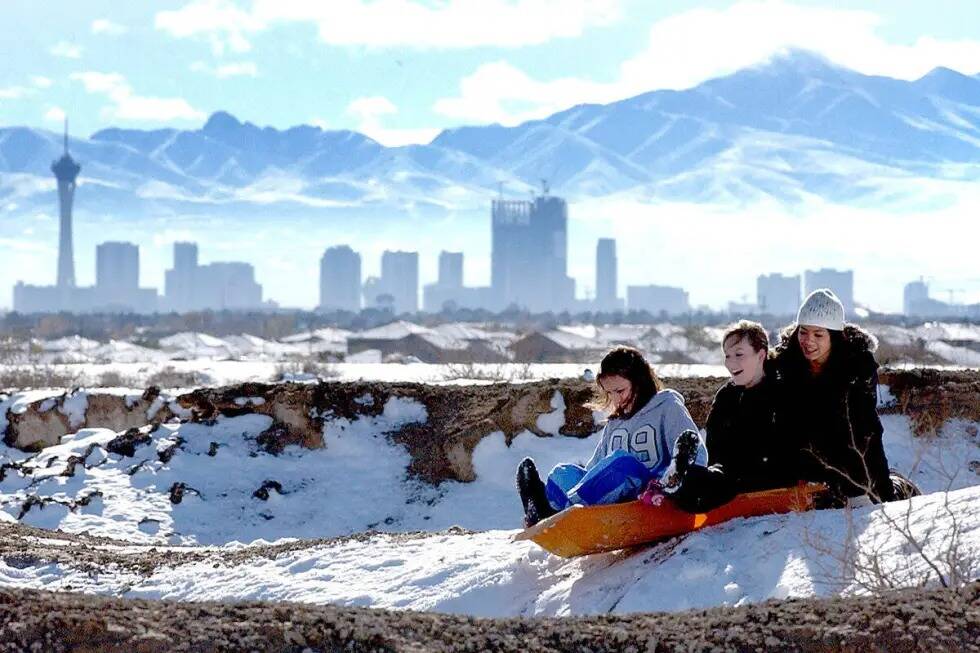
column 830, row 377
column 742, row 436
column 649, row 436
column 746, row 451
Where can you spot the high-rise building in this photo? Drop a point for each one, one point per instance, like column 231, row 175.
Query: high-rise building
column 400, row 277
column 449, row 293
column 451, row 269
column 529, row 251
column 777, row 294
column 340, row 279
column 117, row 280
column 606, row 268
column 117, row 267
column 841, row 282
column 179, row 281
column 215, row 286
column 66, row 172
column 657, row 300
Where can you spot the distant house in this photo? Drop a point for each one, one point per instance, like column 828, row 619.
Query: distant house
column 558, row 346
column 444, row 344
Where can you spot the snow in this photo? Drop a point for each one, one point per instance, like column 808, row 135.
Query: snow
column 358, row 482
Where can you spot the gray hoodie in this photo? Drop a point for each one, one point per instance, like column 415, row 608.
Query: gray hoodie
column 650, row 434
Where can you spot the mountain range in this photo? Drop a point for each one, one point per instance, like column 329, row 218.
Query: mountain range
column 787, row 130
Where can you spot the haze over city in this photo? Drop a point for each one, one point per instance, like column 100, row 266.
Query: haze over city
column 695, row 196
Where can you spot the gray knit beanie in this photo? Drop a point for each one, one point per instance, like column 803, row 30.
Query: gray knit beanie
column 821, row 308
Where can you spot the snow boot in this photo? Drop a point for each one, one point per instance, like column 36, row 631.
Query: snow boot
column 684, row 454
column 904, row 487
column 533, row 498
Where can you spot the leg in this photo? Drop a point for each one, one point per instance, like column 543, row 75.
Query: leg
column 703, row 489
column 561, row 480
column 532, row 492
column 620, row 476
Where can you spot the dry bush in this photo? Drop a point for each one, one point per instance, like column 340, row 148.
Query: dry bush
column 28, row 377
column 497, row 372
column 170, row 377
column 928, row 555
column 284, row 371
column 113, row 379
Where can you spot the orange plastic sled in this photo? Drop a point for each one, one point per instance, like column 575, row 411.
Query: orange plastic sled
column 580, row 530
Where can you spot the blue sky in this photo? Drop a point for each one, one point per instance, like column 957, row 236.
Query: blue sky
column 401, row 70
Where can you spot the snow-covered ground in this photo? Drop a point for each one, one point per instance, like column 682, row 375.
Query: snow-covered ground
column 235, row 495
column 233, row 359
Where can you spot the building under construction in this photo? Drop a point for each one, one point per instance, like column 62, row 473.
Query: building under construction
column 529, row 255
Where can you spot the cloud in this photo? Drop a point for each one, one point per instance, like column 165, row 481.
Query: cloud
column 393, row 23
column 240, row 69
column 19, row 92
column 128, row 106
column 370, row 110
column 220, row 21
column 14, row 92
column 55, row 114
column 66, row 50
column 499, row 92
column 691, row 47
column 106, row 26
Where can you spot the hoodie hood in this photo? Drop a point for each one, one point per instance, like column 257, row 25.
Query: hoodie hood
column 658, row 401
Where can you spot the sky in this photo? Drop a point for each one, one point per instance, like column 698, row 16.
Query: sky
column 401, row 71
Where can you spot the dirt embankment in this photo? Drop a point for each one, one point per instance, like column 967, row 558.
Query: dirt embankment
column 459, row 416
column 914, row 620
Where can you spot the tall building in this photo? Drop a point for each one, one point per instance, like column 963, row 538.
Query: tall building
column 529, row 251
column 400, row 280
column 117, row 267
column 215, row 286
column 179, row 281
column 66, row 172
column 657, row 299
column 841, row 282
column 451, row 269
column 777, row 294
column 606, row 267
column 448, row 292
column 340, row 279
column 117, row 280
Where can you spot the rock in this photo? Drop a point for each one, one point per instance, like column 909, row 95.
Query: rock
column 126, row 444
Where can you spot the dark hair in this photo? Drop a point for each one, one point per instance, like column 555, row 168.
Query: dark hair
column 753, row 332
column 630, row 364
column 789, row 347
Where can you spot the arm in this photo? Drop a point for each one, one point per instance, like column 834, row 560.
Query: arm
column 866, row 430
column 717, row 438
column 600, row 449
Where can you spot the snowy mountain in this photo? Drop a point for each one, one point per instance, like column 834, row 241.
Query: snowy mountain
column 794, row 127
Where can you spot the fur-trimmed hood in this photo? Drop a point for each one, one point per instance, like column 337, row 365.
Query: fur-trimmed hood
column 855, row 358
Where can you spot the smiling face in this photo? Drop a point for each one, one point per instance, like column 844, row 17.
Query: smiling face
column 620, row 392
column 815, row 344
column 744, row 363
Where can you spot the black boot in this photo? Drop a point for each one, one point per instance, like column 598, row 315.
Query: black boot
column 531, row 489
column 684, row 454
column 903, row 486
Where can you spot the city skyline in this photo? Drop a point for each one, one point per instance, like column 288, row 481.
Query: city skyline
column 529, row 250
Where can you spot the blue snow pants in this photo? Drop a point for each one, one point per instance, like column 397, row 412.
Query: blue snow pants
column 620, row 476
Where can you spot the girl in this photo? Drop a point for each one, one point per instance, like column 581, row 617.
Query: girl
column 830, row 378
column 742, row 437
column 649, row 436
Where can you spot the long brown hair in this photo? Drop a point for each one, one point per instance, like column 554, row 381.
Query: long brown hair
column 630, row 364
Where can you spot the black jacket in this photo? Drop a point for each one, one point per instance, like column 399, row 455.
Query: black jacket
column 744, row 439
column 834, row 415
